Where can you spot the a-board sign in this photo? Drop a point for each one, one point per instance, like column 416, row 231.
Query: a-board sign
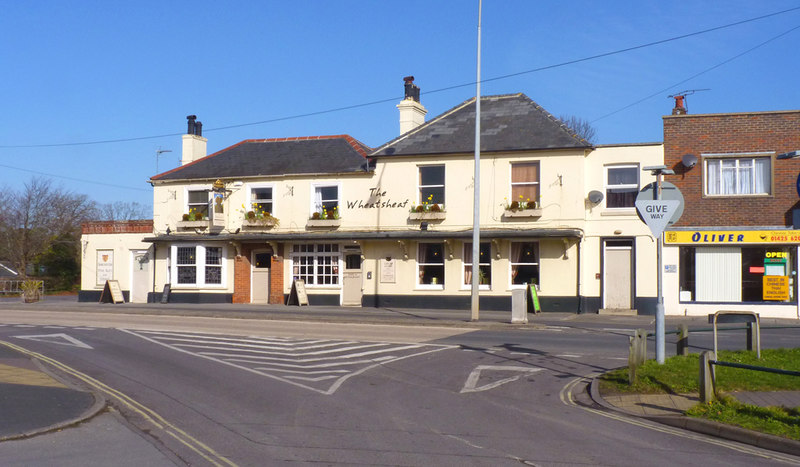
column 298, row 294
column 165, row 294
column 112, row 293
column 533, row 299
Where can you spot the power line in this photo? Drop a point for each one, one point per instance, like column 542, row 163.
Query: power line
column 662, row 91
column 94, row 182
column 392, row 99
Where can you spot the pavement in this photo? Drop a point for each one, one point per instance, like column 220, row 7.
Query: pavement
column 25, row 383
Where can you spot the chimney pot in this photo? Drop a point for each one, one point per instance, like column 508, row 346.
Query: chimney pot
column 191, row 124
column 679, row 108
column 198, row 128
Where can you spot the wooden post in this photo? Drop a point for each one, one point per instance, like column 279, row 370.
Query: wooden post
column 706, row 377
column 637, row 354
column 683, row 340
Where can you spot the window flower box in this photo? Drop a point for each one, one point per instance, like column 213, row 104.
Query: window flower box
column 324, row 223
column 427, row 215
column 193, row 224
column 263, row 223
column 522, row 213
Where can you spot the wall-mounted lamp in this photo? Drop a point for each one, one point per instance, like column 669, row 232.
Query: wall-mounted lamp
column 423, row 226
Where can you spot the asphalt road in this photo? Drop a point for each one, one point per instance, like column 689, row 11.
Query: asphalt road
column 213, row 391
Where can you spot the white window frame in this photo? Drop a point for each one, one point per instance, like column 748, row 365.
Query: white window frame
column 316, row 255
column 511, row 263
column 512, row 184
column 718, row 158
column 200, row 266
column 466, row 265
column 318, row 208
column 608, row 186
column 187, row 206
column 256, row 186
column 420, row 186
column 443, row 264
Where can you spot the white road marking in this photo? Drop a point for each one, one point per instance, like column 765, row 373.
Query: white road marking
column 471, row 385
column 61, row 339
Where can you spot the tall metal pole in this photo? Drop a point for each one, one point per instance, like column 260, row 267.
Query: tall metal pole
column 476, row 235
column 660, row 350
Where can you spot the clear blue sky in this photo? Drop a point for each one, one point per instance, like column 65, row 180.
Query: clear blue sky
column 76, row 72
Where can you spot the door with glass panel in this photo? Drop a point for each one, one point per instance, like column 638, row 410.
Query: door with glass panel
column 352, row 280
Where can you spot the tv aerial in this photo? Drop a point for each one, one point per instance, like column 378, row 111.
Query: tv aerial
column 680, row 98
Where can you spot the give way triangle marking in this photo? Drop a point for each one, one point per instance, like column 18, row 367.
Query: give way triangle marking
column 471, row 385
column 61, row 339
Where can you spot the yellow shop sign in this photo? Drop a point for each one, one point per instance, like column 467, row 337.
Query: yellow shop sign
column 728, row 237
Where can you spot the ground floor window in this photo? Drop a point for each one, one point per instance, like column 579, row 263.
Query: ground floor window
column 737, row 274
column 316, row 264
column 198, row 265
column 430, row 264
column 524, row 263
column 484, row 264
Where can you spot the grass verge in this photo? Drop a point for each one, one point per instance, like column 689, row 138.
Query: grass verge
column 680, row 375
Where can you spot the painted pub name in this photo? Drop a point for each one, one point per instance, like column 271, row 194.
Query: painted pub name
column 377, row 199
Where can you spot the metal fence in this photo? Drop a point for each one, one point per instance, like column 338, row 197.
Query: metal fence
column 14, row 287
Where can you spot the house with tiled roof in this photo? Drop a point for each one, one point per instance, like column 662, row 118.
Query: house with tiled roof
column 392, row 226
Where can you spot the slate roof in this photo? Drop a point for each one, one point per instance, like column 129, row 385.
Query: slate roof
column 509, row 122
column 276, row 157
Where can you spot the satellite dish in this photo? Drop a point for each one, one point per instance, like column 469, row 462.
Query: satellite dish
column 595, row 196
column 689, row 160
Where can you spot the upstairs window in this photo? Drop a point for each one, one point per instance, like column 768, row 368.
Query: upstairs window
column 197, row 201
column 431, row 184
column 326, row 201
column 261, row 199
column 525, row 183
column 622, row 185
column 738, row 176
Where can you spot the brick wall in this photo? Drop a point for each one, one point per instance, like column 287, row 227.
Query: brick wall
column 276, row 277
column 776, row 132
column 114, row 227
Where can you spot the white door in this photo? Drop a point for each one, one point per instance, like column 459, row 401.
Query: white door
column 140, row 276
column 259, row 277
column 617, row 274
column 351, row 287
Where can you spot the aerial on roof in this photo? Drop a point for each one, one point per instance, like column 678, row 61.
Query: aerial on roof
column 277, row 157
column 510, row 122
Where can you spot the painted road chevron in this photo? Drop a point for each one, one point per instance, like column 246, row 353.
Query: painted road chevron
column 320, row 365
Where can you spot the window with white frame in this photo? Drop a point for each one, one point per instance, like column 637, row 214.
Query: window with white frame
column 261, row 199
column 525, row 184
column 431, row 184
column 622, row 185
column 198, row 265
column 430, row 264
column 738, row 175
column 524, row 263
column 326, row 201
column 484, row 264
column 316, row 264
column 197, row 201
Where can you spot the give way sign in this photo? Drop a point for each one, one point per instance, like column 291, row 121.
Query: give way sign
column 657, row 213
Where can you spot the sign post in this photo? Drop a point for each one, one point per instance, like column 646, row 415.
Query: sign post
column 657, row 213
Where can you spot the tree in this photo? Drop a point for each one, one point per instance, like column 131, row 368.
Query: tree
column 123, row 211
column 38, row 216
column 581, row 127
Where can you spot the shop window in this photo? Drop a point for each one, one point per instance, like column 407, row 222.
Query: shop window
column 431, row 184
column 484, row 265
column 430, row 264
column 326, row 201
column 738, row 176
column 198, row 265
column 316, row 264
column 524, row 263
column 525, row 183
column 622, row 185
column 732, row 274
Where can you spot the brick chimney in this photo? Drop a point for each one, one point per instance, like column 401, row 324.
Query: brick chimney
column 194, row 145
column 412, row 113
column 679, row 108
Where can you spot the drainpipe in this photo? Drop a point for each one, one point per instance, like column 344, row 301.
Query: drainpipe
column 578, row 281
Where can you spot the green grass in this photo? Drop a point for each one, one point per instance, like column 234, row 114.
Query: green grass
column 680, row 375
